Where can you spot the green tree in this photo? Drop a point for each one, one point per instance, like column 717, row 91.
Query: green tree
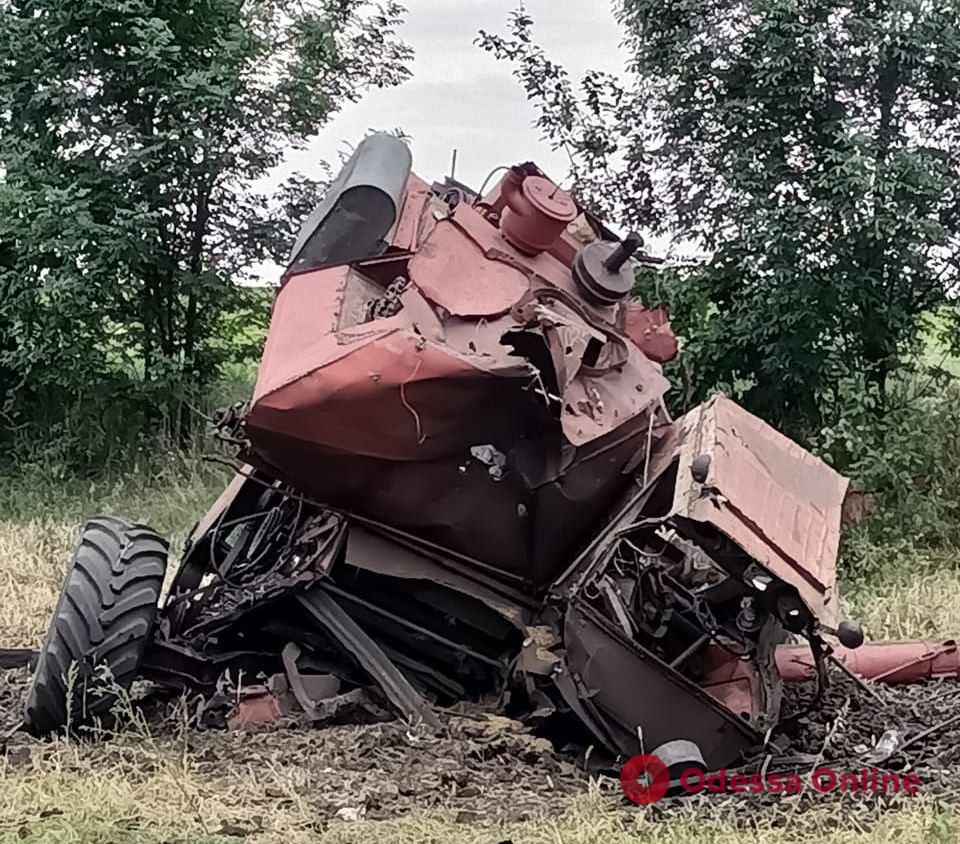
column 132, row 136
column 808, row 148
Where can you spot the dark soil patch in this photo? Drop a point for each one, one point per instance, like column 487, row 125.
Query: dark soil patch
column 490, row 768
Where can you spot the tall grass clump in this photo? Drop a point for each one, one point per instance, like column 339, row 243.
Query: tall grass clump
column 900, row 567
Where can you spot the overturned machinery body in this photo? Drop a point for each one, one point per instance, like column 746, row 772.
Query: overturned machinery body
column 460, row 481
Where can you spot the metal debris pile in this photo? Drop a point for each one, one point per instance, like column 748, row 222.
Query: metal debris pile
column 488, row 769
column 899, row 729
column 457, row 482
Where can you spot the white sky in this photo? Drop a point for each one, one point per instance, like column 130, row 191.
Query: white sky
column 461, row 98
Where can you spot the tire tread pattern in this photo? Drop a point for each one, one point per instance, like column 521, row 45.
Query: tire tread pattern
column 104, row 617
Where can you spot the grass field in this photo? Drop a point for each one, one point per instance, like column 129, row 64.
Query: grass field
column 141, row 787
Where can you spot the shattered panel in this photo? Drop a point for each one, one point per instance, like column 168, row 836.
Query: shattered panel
column 639, row 699
column 777, row 501
column 461, row 484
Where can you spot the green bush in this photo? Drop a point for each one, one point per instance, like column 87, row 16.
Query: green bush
column 906, row 456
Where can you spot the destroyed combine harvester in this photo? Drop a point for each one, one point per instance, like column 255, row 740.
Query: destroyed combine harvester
column 459, row 482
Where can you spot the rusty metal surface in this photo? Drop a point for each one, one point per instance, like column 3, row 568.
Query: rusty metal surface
column 492, row 351
column 375, row 662
column 778, row 502
column 886, row 662
column 650, row 329
column 451, row 270
column 460, row 483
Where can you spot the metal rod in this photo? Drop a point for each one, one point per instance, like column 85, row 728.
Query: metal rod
column 410, row 625
column 630, row 244
column 351, row 637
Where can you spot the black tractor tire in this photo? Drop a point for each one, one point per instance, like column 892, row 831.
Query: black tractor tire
column 100, row 629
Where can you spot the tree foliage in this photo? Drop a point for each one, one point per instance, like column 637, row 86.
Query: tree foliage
column 808, row 149
column 132, row 137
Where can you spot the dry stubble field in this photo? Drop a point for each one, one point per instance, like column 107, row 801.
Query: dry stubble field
column 481, row 782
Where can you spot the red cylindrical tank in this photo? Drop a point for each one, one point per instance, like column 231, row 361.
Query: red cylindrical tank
column 536, row 212
column 888, row 662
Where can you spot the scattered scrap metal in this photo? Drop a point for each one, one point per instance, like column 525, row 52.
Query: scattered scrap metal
column 459, row 481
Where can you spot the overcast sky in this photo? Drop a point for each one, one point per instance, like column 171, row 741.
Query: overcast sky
column 461, row 98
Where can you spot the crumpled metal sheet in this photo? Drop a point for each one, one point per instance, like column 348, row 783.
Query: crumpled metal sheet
column 354, row 641
column 383, row 415
column 650, row 329
column 452, row 272
column 778, row 502
column 639, row 701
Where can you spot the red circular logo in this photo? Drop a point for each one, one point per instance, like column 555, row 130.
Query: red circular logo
column 644, row 778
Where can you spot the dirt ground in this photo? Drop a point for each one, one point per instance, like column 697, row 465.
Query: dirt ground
column 373, row 770
column 480, row 772
column 480, row 781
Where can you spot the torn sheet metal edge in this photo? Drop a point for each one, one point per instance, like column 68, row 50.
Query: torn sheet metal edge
column 699, row 433
column 382, row 555
column 721, row 746
column 571, row 580
column 298, row 687
column 351, row 637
